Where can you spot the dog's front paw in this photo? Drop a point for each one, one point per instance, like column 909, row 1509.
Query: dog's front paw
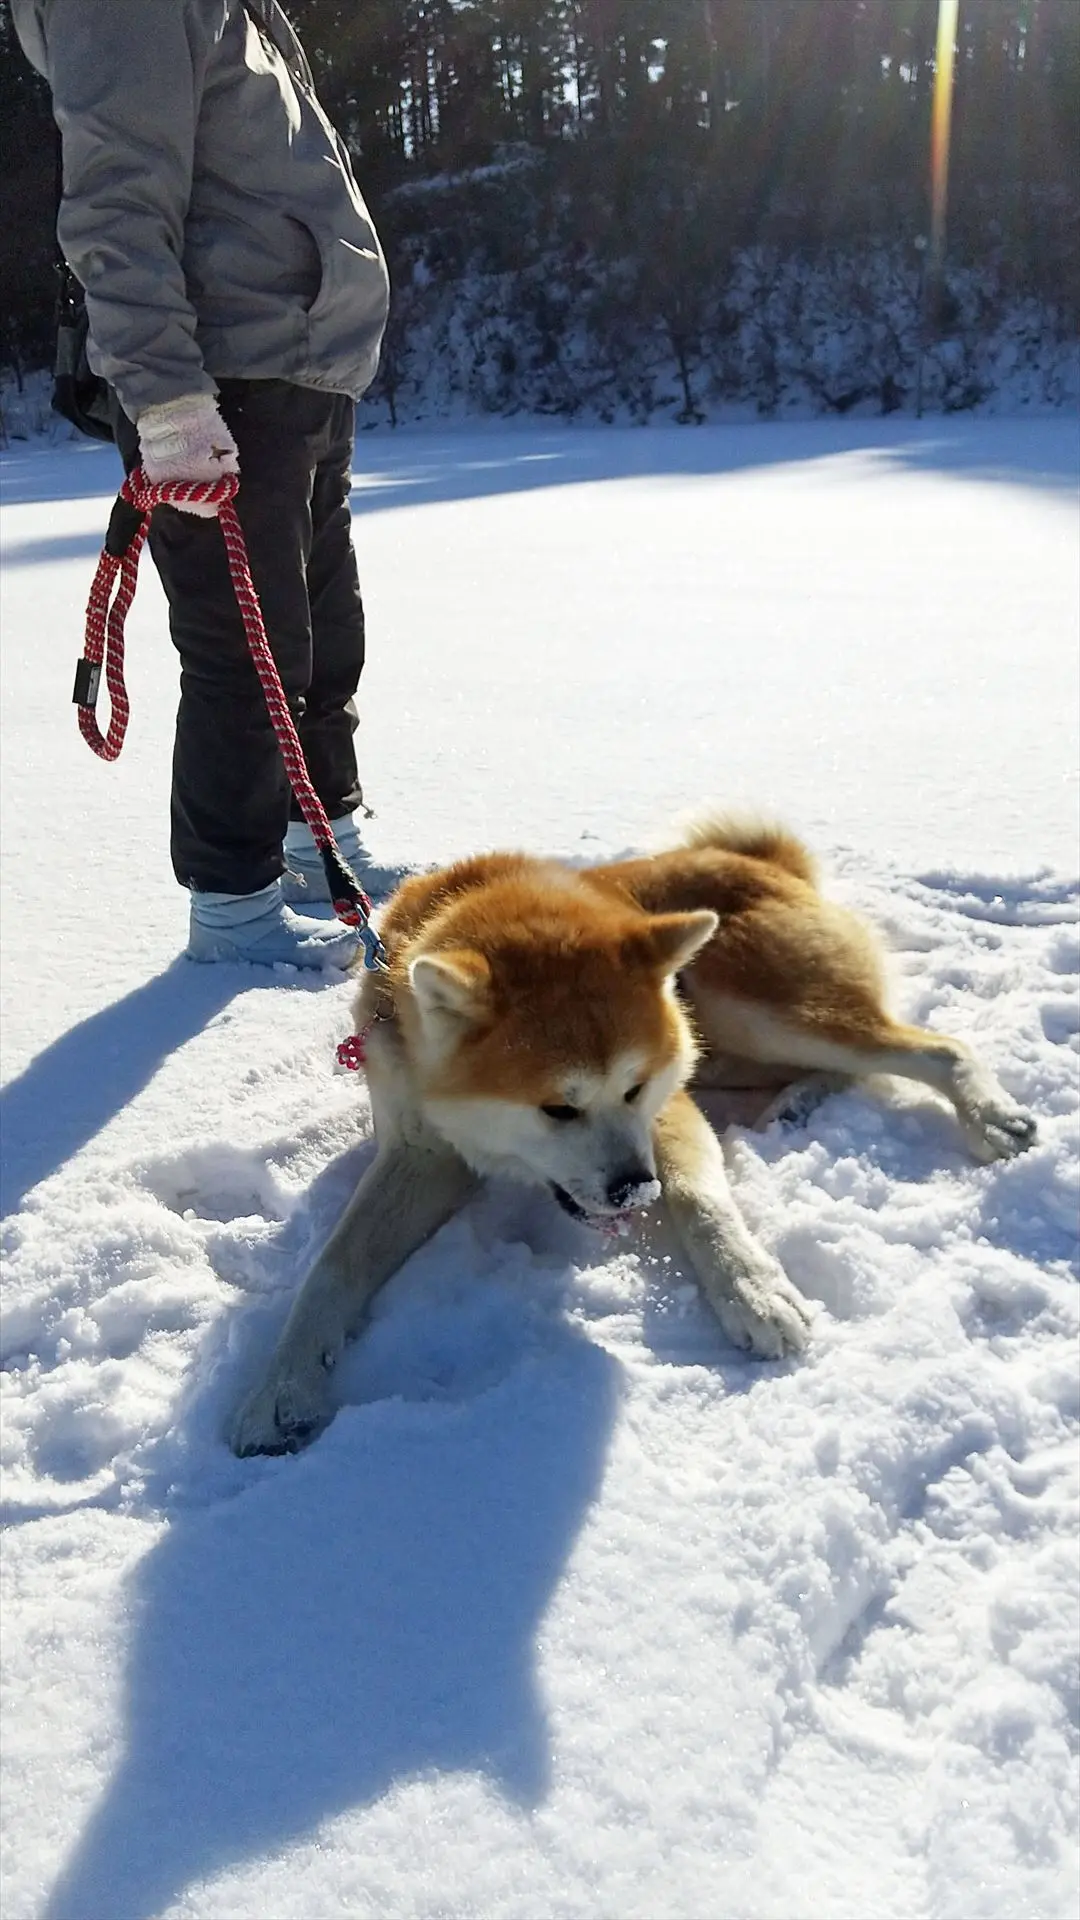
column 282, row 1415
column 765, row 1314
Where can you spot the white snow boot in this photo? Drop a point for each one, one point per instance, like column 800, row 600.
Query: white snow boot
column 260, row 928
column 304, row 885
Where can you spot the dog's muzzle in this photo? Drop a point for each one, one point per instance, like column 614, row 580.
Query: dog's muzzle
column 627, row 1194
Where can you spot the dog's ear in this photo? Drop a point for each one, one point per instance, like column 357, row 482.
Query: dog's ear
column 453, row 983
column 670, row 940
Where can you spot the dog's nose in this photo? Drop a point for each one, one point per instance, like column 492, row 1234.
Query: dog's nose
column 629, row 1188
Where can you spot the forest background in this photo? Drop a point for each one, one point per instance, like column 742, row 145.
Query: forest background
column 649, row 209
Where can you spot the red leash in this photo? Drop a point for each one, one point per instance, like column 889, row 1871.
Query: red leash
column 106, row 613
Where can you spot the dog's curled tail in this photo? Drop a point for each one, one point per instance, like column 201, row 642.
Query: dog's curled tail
column 755, row 839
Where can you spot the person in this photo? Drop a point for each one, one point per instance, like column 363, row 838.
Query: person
column 236, row 295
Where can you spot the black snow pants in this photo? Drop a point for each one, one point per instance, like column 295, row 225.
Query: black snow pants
column 231, row 800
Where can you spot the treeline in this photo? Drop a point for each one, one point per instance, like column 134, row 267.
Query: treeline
column 786, row 85
column 813, row 112
column 668, row 135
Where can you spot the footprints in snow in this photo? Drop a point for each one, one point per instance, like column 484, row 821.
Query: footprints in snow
column 1035, row 900
column 220, row 1184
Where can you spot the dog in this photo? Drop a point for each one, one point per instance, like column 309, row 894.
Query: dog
column 546, row 1023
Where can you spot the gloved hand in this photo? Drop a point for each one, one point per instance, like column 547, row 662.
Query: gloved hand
column 187, row 439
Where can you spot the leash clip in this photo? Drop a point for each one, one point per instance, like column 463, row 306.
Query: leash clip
column 374, row 951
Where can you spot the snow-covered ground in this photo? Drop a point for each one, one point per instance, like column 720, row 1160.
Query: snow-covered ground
column 573, row 1613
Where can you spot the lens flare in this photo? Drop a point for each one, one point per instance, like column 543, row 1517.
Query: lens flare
column 940, row 126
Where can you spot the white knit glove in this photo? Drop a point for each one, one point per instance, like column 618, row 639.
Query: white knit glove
column 187, row 439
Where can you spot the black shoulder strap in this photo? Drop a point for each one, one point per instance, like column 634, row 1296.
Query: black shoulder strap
column 69, row 290
column 79, row 394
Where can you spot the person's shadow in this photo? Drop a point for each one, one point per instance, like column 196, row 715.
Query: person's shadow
column 77, row 1085
column 359, row 1617
column 74, row 1087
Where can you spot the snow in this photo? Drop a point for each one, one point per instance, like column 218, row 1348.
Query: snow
column 573, row 1613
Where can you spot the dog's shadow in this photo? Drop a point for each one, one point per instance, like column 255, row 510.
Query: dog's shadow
column 362, row 1615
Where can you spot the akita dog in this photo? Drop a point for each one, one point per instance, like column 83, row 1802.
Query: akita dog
column 545, row 1022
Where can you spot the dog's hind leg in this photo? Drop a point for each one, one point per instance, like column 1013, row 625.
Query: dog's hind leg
column 407, row 1193
column 752, row 1297
column 995, row 1126
column 859, row 1039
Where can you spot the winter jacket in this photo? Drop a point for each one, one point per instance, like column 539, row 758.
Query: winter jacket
column 209, row 208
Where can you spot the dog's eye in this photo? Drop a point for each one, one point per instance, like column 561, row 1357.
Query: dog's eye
column 633, row 1093
column 562, row 1113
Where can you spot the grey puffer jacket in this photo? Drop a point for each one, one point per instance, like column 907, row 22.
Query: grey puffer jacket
column 209, row 208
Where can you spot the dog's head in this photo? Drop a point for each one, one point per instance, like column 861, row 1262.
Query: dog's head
column 546, row 1035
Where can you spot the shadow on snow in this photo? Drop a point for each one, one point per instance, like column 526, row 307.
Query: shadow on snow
column 423, row 466
column 360, row 1617
column 73, row 1088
